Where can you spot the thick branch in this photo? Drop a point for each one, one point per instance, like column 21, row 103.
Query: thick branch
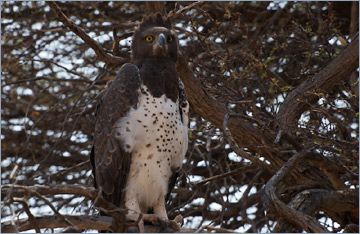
column 273, row 203
column 336, row 71
column 330, row 169
column 53, row 221
column 110, row 60
column 309, row 201
column 81, row 221
column 214, row 111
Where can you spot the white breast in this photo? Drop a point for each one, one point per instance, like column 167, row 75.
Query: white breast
column 158, row 139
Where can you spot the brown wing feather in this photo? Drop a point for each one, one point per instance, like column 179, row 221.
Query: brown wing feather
column 110, row 162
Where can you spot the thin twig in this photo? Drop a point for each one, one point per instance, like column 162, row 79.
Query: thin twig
column 217, row 177
column 55, row 210
column 48, row 79
column 221, row 230
column 182, row 10
column 12, row 221
column 28, row 212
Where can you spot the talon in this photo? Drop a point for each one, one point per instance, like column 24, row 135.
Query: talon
column 179, row 220
column 174, row 225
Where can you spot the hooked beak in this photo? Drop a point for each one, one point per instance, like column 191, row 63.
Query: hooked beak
column 162, row 40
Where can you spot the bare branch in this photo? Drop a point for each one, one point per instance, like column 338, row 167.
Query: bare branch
column 62, row 217
column 110, row 60
column 221, row 176
column 81, row 221
column 28, row 212
column 79, row 190
column 214, row 111
column 330, row 169
column 182, row 10
column 273, row 203
column 236, row 148
column 308, row 92
column 331, row 202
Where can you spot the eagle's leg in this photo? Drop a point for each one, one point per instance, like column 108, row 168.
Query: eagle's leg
column 159, row 208
column 134, row 216
column 160, row 217
column 134, row 212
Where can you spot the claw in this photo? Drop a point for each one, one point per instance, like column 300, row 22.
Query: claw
column 174, row 225
column 164, row 223
column 179, row 220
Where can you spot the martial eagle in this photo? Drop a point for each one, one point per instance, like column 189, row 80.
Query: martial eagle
column 141, row 133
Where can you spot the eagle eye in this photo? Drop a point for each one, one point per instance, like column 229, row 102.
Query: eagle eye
column 170, row 38
column 149, row 38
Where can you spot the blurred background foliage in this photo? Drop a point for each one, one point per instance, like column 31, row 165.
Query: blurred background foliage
column 248, row 55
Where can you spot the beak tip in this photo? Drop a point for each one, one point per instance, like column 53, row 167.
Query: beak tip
column 162, row 39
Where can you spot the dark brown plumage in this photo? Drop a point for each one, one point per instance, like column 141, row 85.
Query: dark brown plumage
column 110, row 162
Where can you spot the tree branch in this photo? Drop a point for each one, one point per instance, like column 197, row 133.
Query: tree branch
column 53, row 221
column 311, row 200
column 273, row 203
column 188, row 7
column 109, row 59
column 83, row 222
column 60, row 220
column 330, row 169
column 236, row 148
column 300, row 98
column 213, row 111
column 79, row 190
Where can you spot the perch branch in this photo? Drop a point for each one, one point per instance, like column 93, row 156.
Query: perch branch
column 83, row 222
column 59, row 220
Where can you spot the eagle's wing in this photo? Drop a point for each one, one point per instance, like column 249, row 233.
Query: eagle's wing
column 110, row 161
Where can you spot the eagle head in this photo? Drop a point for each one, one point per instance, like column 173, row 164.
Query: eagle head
column 155, row 38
